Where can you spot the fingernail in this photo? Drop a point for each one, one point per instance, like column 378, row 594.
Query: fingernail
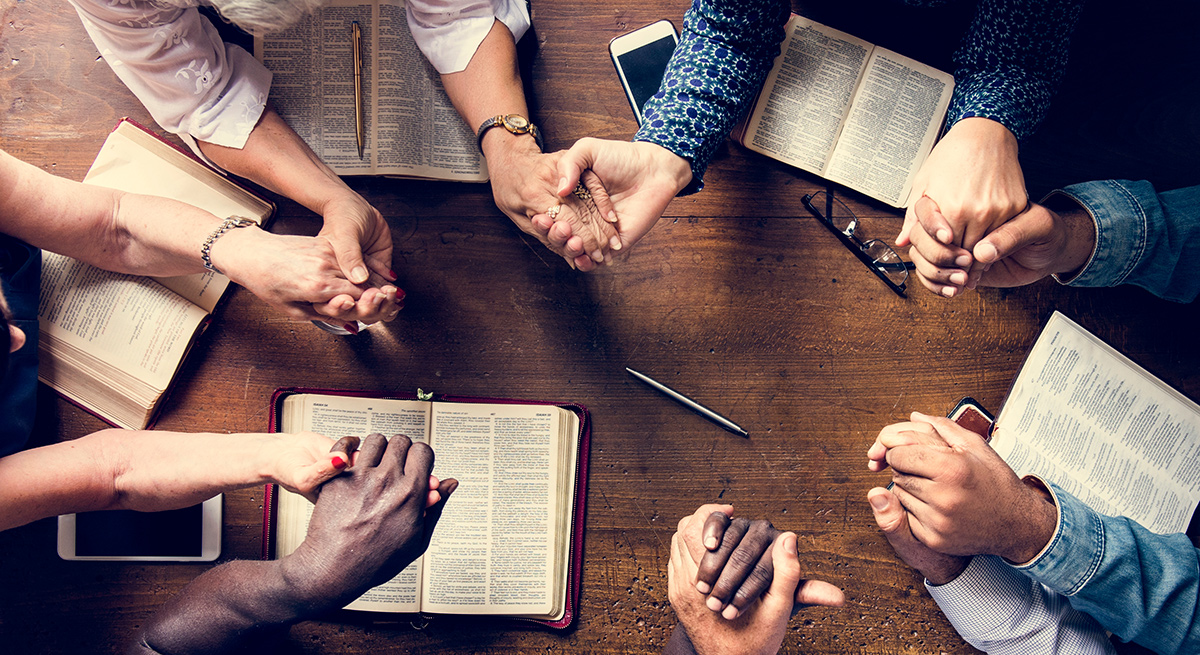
column 598, row 256
column 879, row 502
column 730, row 613
column 962, row 261
column 703, row 587
column 948, row 292
column 338, row 461
column 958, row 277
column 714, row 604
column 392, row 274
column 615, row 243
column 358, row 275
column 352, row 328
column 562, row 184
column 987, row 251
column 347, row 304
column 944, row 235
column 711, row 544
column 612, row 217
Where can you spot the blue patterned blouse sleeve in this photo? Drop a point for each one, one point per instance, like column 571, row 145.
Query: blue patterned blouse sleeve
column 1011, row 61
column 725, row 52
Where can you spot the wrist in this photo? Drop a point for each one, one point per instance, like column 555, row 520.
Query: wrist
column 676, row 169
column 498, row 143
column 228, row 252
column 1038, row 522
column 1079, row 229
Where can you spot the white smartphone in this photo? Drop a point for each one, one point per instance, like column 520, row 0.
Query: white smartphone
column 191, row 534
column 641, row 58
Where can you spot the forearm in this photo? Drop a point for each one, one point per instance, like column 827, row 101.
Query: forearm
column 490, row 86
column 1011, row 61
column 278, row 159
column 1144, row 587
column 235, row 607
column 1002, row 612
column 127, row 469
column 725, row 52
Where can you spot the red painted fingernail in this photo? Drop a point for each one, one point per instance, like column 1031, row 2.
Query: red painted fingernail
column 351, row 328
column 400, row 295
column 337, row 461
column 392, row 274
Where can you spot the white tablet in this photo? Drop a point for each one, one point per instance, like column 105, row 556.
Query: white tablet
column 191, row 534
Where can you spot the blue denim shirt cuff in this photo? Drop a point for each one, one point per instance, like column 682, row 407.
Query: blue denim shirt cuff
column 1121, row 231
column 1075, row 550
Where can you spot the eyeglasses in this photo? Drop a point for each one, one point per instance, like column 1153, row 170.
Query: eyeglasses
column 875, row 253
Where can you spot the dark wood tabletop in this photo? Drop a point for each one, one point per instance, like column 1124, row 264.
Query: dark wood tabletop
column 738, row 298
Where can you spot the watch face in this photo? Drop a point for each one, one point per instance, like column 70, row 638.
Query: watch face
column 516, row 123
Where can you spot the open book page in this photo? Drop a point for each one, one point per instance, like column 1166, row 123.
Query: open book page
column 337, row 416
column 1090, row 420
column 807, row 95
column 411, row 128
column 494, row 551
column 135, row 161
column 891, row 127
column 127, row 322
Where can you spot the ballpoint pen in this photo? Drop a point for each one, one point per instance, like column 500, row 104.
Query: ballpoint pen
column 690, row 404
column 356, row 35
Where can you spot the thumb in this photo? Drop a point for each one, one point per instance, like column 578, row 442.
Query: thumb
column 1026, row 228
column 889, row 513
column 574, row 162
column 929, row 215
column 349, row 256
column 786, row 562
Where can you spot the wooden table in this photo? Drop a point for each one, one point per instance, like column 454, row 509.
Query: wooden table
column 738, row 297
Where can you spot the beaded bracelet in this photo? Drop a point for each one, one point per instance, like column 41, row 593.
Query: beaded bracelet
column 226, row 225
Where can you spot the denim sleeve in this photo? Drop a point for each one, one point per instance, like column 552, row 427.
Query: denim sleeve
column 725, row 52
column 1143, row 238
column 1011, row 61
column 1139, row 585
column 1002, row 612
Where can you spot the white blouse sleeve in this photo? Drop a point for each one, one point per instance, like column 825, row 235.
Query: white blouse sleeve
column 449, row 31
column 173, row 60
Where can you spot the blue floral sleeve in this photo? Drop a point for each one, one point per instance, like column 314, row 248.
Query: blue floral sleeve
column 1011, row 61
column 725, row 52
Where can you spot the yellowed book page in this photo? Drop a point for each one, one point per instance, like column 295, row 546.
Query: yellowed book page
column 412, row 129
column 335, row 417
column 807, row 95
column 128, row 322
column 493, row 550
column 892, row 125
column 1087, row 418
column 134, row 161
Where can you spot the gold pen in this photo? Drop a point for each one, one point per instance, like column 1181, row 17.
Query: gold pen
column 356, row 35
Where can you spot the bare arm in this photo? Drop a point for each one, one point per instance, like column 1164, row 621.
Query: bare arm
column 152, row 471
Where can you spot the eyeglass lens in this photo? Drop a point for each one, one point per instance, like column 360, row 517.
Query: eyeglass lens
column 844, row 220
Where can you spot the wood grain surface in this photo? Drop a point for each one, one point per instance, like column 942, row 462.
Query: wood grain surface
column 738, row 298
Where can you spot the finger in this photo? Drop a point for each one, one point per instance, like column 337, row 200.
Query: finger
column 937, row 254
column 559, row 233
column 889, row 515
column 341, row 449
column 340, row 307
column 919, row 516
column 749, row 564
column 542, row 223
column 583, row 263
column 381, row 266
column 910, row 219
column 816, row 592
column 713, row 562
column 757, row 582
column 1030, row 226
column 348, row 253
column 927, row 275
column 951, row 433
column 573, row 162
column 714, row 529
column 933, row 223
column 604, row 203
column 371, row 451
column 434, row 513
column 400, row 449
column 785, row 563
column 919, row 460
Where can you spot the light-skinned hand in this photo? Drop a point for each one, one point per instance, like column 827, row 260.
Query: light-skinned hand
column 961, row 497
column 893, row 521
column 638, row 180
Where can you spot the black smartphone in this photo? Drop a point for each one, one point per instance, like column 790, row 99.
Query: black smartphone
column 190, row 534
column 641, row 58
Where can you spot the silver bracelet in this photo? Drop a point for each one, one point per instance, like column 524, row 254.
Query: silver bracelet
column 226, row 225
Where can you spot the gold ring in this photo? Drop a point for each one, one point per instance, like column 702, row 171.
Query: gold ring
column 553, row 212
column 581, row 192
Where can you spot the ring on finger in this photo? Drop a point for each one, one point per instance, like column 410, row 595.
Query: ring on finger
column 553, row 212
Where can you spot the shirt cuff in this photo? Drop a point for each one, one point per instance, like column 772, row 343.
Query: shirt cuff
column 1075, row 550
column 449, row 38
column 697, row 182
column 230, row 119
column 1121, row 230
column 983, row 598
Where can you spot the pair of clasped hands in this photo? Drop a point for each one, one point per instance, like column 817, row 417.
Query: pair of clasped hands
column 971, row 225
column 735, row 583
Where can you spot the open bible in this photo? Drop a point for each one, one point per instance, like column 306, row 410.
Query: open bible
column 410, row 127
column 849, row 111
column 510, row 539
column 1085, row 417
column 110, row 342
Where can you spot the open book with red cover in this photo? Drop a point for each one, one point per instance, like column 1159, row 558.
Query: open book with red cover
column 510, row 541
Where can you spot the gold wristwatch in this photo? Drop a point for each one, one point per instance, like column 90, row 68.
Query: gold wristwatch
column 515, row 123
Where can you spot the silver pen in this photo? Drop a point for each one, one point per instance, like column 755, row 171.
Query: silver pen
column 690, row 404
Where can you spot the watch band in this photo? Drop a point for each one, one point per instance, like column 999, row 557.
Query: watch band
column 226, row 225
column 515, row 124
